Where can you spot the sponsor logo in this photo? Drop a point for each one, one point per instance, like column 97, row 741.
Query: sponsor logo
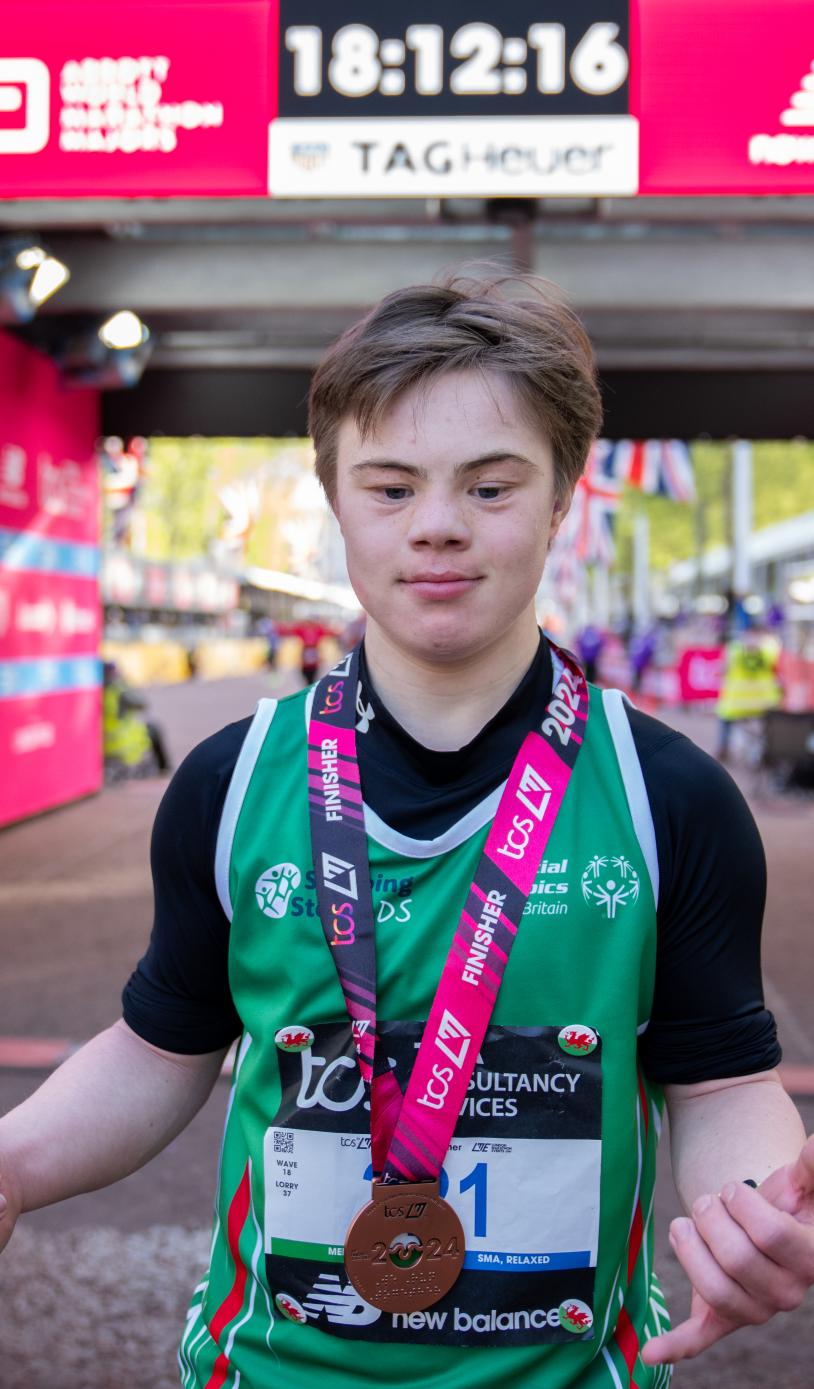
column 340, row 1302
column 577, row 1040
column 534, row 791
column 339, row 874
column 320, row 1076
column 273, row 889
column 575, row 1316
column 309, row 155
column 25, row 85
column 450, row 1030
column 479, row 1322
column 332, row 699
column 364, row 711
column 343, row 667
column 342, row 923
column 610, row 883
column 290, row 1308
column 782, row 150
column 294, row 1038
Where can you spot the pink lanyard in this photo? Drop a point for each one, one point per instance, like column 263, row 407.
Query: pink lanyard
column 411, row 1133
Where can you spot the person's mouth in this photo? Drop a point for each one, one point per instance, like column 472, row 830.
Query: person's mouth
column 440, row 584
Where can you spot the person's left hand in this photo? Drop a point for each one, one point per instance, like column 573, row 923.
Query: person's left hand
column 747, row 1253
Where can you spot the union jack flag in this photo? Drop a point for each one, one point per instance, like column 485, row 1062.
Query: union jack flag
column 654, row 465
column 588, row 528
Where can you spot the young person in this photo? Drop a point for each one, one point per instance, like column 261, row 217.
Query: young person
column 585, row 884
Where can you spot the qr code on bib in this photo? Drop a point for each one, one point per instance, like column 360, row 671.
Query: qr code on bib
column 283, row 1141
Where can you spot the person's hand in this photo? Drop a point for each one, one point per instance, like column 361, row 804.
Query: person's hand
column 747, row 1253
column 10, row 1204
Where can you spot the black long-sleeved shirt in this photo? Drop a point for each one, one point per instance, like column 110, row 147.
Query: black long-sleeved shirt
column 708, row 1018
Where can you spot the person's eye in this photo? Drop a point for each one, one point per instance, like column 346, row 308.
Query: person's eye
column 490, row 491
column 395, row 493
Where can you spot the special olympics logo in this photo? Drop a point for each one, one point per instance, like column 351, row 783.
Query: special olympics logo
column 610, row 883
column 273, row 889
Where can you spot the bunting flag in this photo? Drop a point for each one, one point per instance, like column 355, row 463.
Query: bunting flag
column 587, row 533
column 659, row 466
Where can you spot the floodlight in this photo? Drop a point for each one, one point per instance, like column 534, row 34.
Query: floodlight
column 29, row 275
column 110, row 355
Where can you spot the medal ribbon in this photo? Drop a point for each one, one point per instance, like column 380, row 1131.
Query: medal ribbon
column 410, row 1134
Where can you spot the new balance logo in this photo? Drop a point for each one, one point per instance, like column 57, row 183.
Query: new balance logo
column 341, row 1303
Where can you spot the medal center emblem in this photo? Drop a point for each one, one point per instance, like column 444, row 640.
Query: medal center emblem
column 405, row 1250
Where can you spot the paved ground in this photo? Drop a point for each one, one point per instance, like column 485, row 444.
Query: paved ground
column 93, row 1292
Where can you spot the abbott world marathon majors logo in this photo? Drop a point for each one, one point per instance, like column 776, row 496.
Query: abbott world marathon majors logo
column 610, row 883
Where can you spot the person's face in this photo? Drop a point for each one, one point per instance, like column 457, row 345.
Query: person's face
column 447, row 512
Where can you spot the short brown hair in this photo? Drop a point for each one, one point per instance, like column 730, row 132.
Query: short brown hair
column 462, row 323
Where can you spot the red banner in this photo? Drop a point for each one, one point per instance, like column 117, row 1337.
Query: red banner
column 180, row 98
column 700, row 671
column 166, row 98
column 50, row 731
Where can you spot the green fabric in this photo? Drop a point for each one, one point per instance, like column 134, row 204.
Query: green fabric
column 589, row 964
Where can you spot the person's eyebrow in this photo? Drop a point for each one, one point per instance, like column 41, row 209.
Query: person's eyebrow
column 415, row 470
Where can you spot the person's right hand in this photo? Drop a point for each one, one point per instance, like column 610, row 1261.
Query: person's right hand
column 10, row 1204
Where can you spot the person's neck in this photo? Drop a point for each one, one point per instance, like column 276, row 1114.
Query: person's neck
column 445, row 705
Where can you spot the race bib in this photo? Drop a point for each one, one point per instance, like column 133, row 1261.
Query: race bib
column 522, row 1172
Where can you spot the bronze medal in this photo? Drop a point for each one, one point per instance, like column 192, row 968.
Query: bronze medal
column 405, row 1248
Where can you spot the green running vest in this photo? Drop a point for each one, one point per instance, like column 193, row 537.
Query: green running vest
column 552, row 1164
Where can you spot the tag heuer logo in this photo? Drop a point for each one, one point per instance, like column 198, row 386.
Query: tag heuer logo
column 310, row 156
column 339, row 875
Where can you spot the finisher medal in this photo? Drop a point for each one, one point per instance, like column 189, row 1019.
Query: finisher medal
column 405, row 1248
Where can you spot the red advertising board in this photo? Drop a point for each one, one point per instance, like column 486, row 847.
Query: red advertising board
column 163, row 98
column 319, row 98
column 50, row 730
column 700, row 670
column 724, row 93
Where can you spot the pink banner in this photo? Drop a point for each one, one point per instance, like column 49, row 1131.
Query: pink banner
column 53, row 745
column 723, row 94
column 166, row 98
column 797, row 678
column 50, row 616
column 700, row 671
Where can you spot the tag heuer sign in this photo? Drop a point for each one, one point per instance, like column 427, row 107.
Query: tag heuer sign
column 403, row 105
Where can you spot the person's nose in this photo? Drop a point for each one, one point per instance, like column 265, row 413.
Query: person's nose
column 439, row 519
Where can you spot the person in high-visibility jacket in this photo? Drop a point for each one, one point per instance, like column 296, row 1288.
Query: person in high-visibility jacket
column 750, row 684
column 127, row 739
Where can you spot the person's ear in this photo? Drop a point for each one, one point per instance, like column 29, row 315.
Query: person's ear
column 560, row 510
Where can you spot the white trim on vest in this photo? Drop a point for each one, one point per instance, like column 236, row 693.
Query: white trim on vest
column 404, row 844
column 241, row 776
column 469, row 824
column 635, row 789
